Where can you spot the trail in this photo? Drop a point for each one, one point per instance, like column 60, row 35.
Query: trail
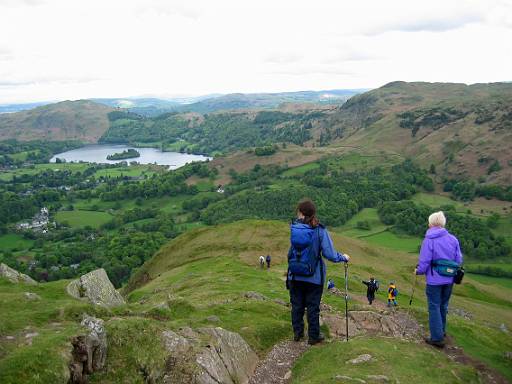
column 277, row 365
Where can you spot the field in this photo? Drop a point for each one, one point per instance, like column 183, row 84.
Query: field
column 391, row 240
column 300, row 170
column 14, row 242
column 80, row 219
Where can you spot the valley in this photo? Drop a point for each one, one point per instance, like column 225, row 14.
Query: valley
column 182, row 244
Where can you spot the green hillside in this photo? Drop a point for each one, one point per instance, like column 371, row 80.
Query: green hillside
column 207, row 272
column 81, row 120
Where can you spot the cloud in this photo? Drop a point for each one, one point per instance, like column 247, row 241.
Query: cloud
column 20, row 3
column 435, row 23
column 283, row 57
column 42, row 80
column 167, row 8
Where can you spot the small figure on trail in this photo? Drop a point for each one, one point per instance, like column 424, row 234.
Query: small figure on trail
column 306, row 269
column 392, row 294
column 440, row 260
column 262, row 262
column 268, row 259
column 372, row 287
column 330, row 284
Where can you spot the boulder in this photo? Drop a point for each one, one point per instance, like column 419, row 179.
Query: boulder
column 89, row 350
column 255, row 296
column 97, row 288
column 14, row 276
column 365, row 358
column 31, row 296
column 208, row 356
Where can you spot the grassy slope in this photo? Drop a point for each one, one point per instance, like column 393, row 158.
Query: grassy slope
column 206, row 271
column 224, row 259
column 369, row 121
column 80, row 219
column 81, row 120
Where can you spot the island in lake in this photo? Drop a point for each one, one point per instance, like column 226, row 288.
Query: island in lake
column 128, row 154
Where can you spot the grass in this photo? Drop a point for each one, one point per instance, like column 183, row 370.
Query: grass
column 367, row 214
column 300, row 170
column 398, row 360
column 391, row 240
column 13, row 241
column 493, row 281
column 207, row 270
column 434, row 200
column 79, row 219
column 131, row 171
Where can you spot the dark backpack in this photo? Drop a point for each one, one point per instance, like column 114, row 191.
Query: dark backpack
column 373, row 286
column 304, row 253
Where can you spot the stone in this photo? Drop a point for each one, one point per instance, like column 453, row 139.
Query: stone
column 503, row 328
column 14, row 276
column 10, row 338
column 378, row 378
column 281, row 302
column 31, row 296
column 96, row 287
column 254, row 295
column 348, row 378
column 287, row 376
column 508, row 355
column 31, row 335
column 365, row 358
column 461, row 313
column 89, row 350
column 228, row 354
column 213, row 319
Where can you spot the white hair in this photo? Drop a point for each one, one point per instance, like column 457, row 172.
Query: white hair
column 437, row 219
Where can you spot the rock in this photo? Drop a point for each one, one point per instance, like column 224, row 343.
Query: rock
column 461, row 313
column 348, row 378
column 508, row 355
column 31, row 296
column 360, row 359
column 336, row 324
column 97, row 288
column 281, row 302
column 14, row 276
column 89, row 350
column 213, row 319
column 31, row 335
column 287, row 376
column 208, row 356
column 229, row 354
column 10, row 338
column 503, row 328
column 254, row 295
column 378, row 378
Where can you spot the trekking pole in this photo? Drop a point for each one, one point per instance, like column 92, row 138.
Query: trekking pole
column 410, row 304
column 346, row 299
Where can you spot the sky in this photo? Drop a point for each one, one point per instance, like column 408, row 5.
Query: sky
column 73, row 49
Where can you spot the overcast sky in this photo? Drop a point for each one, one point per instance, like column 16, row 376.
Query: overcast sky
column 71, row 49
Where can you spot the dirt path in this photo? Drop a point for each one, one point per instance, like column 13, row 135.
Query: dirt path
column 277, row 365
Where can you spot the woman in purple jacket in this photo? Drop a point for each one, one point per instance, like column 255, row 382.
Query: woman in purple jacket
column 438, row 244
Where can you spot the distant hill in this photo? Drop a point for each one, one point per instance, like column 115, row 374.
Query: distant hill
column 152, row 107
column 68, row 120
column 464, row 130
column 10, row 108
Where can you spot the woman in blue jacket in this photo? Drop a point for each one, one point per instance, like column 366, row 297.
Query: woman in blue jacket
column 306, row 288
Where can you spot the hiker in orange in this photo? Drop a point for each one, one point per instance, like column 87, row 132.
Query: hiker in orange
column 392, row 294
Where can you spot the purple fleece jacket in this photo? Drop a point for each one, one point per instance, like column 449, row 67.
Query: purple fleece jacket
column 438, row 244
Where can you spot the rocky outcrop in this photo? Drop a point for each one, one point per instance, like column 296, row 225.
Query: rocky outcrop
column 396, row 324
column 14, row 276
column 208, row 356
column 96, row 287
column 89, row 350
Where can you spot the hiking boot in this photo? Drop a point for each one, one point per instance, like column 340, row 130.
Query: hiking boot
column 298, row 336
column 435, row 343
column 313, row 341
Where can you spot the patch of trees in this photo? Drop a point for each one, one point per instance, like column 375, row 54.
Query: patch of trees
column 433, row 118
column 476, row 239
column 127, row 154
column 265, row 151
column 37, row 151
column 467, row 190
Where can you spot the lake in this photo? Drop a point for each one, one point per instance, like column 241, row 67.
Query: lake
column 98, row 154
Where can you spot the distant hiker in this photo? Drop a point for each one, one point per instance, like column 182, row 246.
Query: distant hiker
column 440, row 258
column 262, row 261
column 392, row 294
column 268, row 259
column 306, row 269
column 372, row 287
column 330, row 284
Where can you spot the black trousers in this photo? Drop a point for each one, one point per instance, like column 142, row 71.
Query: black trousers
column 306, row 295
column 371, row 297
